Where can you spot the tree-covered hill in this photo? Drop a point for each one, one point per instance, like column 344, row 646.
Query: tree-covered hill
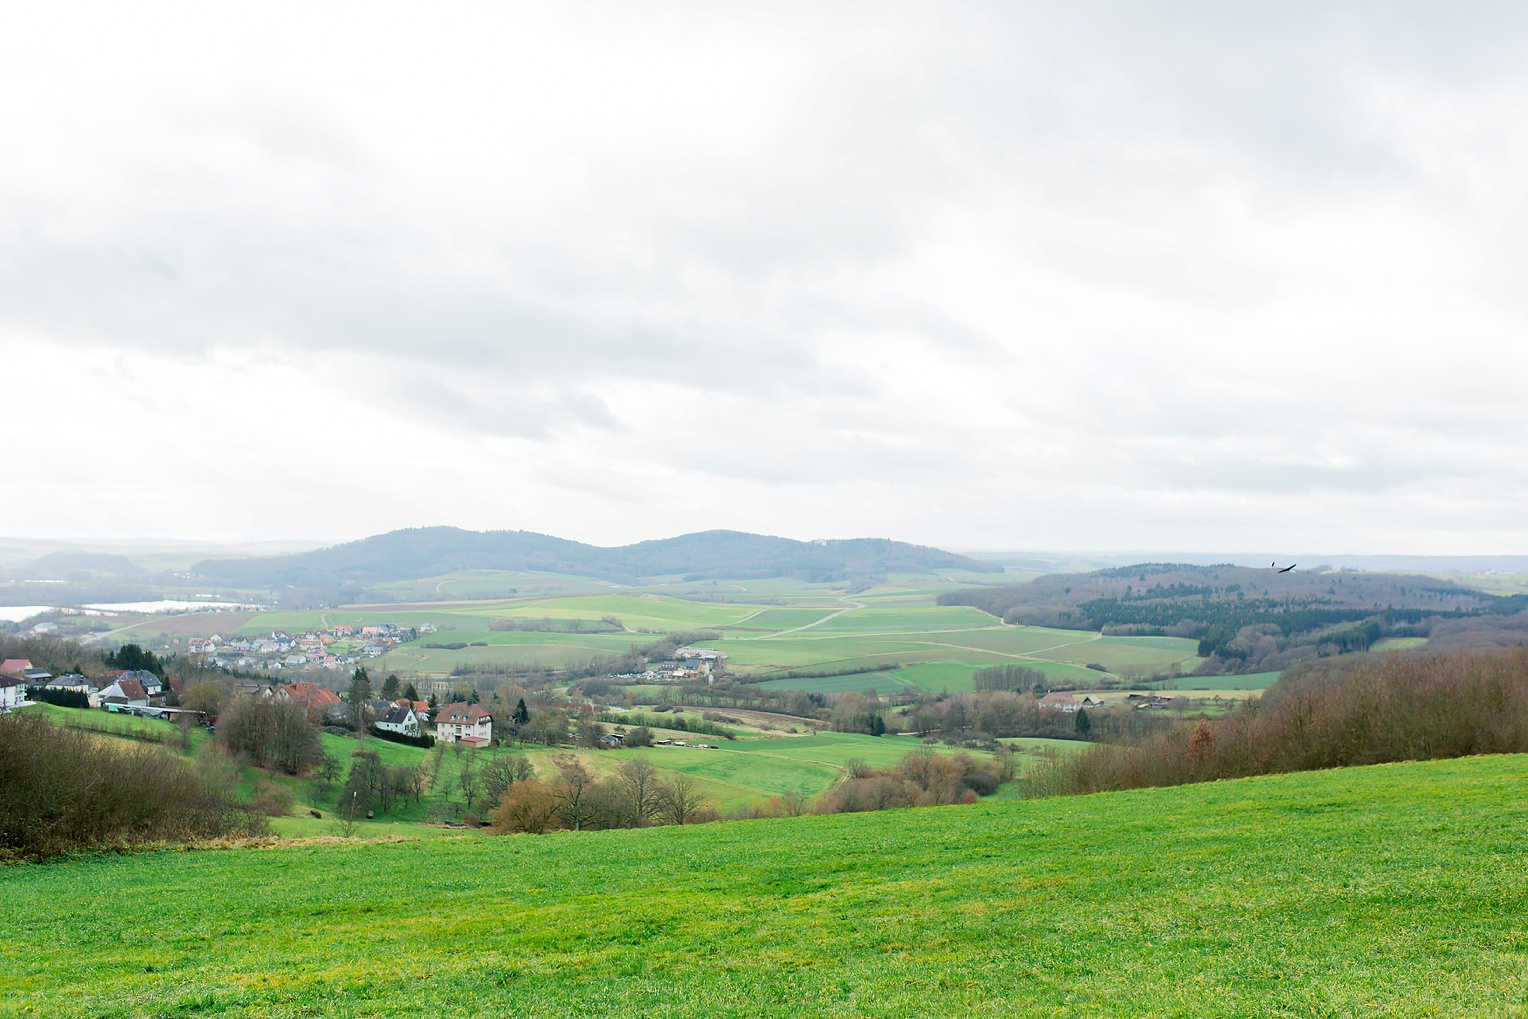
column 1252, row 619
column 431, row 551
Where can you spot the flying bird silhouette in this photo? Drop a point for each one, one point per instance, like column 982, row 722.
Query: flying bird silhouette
column 1287, row 568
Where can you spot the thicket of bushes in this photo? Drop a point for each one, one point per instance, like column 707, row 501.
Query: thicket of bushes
column 64, row 791
column 923, row 778
column 1395, row 708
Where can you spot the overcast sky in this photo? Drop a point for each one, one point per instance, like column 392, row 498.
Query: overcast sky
column 1085, row 276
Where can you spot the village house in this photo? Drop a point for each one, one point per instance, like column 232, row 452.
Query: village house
column 144, row 686
column 72, row 683
column 122, row 694
column 13, row 693
column 421, row 709
column 321, row 703
column 467, row 722
column 399, row 718
column 1059, row 702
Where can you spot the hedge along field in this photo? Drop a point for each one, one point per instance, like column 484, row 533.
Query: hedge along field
column 1389, row 891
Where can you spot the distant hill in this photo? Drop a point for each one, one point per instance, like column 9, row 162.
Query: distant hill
column 1245, row 619
column 707, row 555
column 81, row 566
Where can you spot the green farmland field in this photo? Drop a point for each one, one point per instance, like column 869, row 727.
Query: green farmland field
column 1249, row 681
column 819, row 627
column 1392, row 891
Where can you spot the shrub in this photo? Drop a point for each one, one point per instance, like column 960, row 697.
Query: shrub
column 63, row 791
column 272, row 799
column 529, row 807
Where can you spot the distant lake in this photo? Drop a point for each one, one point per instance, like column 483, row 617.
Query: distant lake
column 17, row 613
column 170, row 605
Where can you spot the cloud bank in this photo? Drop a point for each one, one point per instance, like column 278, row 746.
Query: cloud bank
column 968, row 274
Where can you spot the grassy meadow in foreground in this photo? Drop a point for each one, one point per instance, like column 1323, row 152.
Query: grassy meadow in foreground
column 1389, row 891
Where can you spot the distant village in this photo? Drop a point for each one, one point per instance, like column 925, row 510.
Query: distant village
column 143, row 693
column 337, row 648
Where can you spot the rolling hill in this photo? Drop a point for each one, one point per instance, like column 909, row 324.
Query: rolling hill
column 707, row 555
column 1394, row 890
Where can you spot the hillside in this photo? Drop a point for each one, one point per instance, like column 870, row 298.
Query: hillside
column 1390, row 891
column 432, row 551
column 1244, row 618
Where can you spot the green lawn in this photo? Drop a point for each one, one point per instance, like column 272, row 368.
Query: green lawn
column 1394, row 891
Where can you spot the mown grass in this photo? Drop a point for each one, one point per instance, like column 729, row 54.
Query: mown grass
column 1389, row 891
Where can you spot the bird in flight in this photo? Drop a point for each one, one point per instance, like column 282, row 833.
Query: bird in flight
column 1287, row 568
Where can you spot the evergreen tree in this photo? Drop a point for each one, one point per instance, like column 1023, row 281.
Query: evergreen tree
column 522, row 714
column 134, row 658
column 360, row 693
column 1083, row 724
column 390, row 687
column 410, row 692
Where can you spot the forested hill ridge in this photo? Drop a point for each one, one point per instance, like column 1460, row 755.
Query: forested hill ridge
column 1245, row 619
column 707, row 555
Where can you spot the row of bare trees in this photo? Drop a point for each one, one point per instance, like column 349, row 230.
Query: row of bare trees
column 1396, row 708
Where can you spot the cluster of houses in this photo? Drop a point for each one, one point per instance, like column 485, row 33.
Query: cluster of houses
column 453, row 723
column 112, row 691
column 1062, row 701
column 688, row 663
column 336, row 648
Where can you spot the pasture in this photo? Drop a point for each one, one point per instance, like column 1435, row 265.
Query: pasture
column 1387, row 891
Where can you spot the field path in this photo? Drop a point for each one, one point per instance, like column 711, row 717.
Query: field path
column 818, row 622
column 1015, row 654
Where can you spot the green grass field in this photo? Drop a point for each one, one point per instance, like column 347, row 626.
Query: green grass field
column 1397, row 643
column 1390, row 891
column 1249, row 681
column 894, row 621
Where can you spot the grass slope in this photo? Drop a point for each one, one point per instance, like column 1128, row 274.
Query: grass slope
column 1389, row 891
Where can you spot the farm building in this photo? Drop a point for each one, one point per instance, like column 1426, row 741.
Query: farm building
column 1059, row 702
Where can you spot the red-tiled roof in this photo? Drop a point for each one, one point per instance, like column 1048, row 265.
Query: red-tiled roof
column 462, row 714
column 311, row 695
column 15, row 666
column 132, row 690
